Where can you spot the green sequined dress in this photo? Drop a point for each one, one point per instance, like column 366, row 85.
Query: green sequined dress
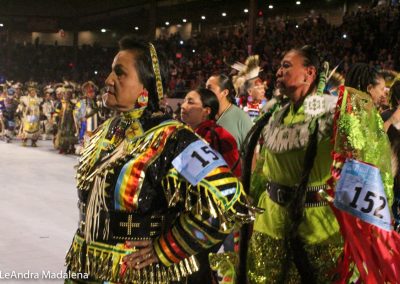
column 285, row 142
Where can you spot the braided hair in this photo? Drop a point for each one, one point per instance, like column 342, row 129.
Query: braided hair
column 360, row 76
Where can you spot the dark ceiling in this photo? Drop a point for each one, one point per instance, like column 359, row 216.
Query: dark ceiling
column 51, row 15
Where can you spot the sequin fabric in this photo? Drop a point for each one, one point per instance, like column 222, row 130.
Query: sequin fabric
column 361, row 134
column 267, row 260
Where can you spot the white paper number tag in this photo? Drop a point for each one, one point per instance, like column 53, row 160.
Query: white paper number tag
column 196, row 161
column 32, row 118
column 360, row 192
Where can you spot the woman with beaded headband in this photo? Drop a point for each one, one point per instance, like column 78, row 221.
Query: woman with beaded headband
column 151, row 193
column 296, row 239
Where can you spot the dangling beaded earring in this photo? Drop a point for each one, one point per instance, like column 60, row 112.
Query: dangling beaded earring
column 143, row 99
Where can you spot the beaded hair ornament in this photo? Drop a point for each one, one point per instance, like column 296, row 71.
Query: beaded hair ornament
column 157, row 73
column 314, row 105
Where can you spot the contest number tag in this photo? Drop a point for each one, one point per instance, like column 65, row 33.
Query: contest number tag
column 196, row 161
column 32, row 118
column 360, row 192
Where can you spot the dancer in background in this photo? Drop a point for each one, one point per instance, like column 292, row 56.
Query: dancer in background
column 30, row 108
column 249, row 85
column 87, row 110
column 230, row 117
column 67, row 126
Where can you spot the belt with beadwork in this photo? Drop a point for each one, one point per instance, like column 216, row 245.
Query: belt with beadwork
column 130, row 226
column 283, row 195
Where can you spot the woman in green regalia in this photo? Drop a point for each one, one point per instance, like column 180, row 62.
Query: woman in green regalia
column 297, row 238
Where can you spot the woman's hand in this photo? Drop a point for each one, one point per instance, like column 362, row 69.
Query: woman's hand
column 143, row 257
column 394, row 119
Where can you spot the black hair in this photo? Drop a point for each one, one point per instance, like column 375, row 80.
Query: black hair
column 310, row 57
column 360, row 75
column 395, row 94
column 209, row 99
column 144, row 66
column 225, row 83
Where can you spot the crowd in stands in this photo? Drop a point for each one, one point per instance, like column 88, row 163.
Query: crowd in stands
column 369, row 35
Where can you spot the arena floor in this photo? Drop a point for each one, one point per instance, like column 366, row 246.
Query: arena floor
column 38, row 211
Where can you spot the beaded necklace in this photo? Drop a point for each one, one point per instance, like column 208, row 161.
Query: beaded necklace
column 128, row 126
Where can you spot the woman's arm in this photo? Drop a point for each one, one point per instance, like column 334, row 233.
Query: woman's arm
column 394, row 119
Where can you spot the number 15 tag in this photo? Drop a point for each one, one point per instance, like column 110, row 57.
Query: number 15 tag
column 196, row 161
column 360, row 192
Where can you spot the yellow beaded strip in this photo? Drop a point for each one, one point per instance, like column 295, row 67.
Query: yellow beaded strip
column 157, row 73
column 104, row 262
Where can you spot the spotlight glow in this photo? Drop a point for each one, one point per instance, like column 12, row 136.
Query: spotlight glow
column 246, row 10
column 103, row 30
column 203, row 17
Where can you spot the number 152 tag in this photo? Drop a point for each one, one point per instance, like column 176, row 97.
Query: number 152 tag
column 196, row 161
column 360, row 192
